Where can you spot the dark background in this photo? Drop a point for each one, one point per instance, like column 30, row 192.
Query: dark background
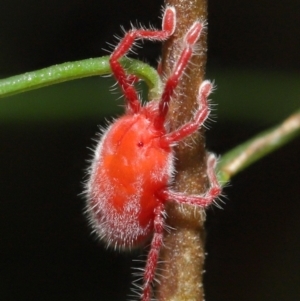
column 36, row 34
column 47, row 252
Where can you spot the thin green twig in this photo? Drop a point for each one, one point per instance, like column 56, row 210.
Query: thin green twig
column 230, row 164
column 259, row 146
column 78, row 69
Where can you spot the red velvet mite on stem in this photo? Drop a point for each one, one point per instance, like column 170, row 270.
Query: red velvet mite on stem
column 133, row 165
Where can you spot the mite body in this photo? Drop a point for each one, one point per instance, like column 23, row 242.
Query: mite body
column 130, row 178
column 129, row 168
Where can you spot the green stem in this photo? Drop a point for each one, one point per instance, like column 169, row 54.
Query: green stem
column 254, row 149
column 74, row 70
column 230, row 164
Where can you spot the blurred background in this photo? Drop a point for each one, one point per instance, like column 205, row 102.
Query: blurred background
column 47, row 252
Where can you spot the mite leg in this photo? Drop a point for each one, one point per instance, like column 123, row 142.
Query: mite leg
column 198, row 120
column 125, row 81
column 198, row 200
column 152, row 259
column 189, row 41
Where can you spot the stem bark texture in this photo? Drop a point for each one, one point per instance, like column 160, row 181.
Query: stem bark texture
column 182, row 257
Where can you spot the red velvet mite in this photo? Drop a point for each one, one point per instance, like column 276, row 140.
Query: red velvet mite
column 133, row 165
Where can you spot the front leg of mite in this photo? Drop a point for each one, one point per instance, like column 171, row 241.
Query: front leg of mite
column 126, row 81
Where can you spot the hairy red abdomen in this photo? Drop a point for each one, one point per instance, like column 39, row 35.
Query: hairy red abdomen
column 129, row 169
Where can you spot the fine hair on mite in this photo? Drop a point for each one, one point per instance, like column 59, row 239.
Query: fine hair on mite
column 131, row 173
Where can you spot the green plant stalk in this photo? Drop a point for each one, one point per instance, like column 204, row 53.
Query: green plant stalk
column 259, row 146
column 79, row 69
column 229, row 165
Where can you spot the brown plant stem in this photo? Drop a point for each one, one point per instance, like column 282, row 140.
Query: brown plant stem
column 183, row 253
